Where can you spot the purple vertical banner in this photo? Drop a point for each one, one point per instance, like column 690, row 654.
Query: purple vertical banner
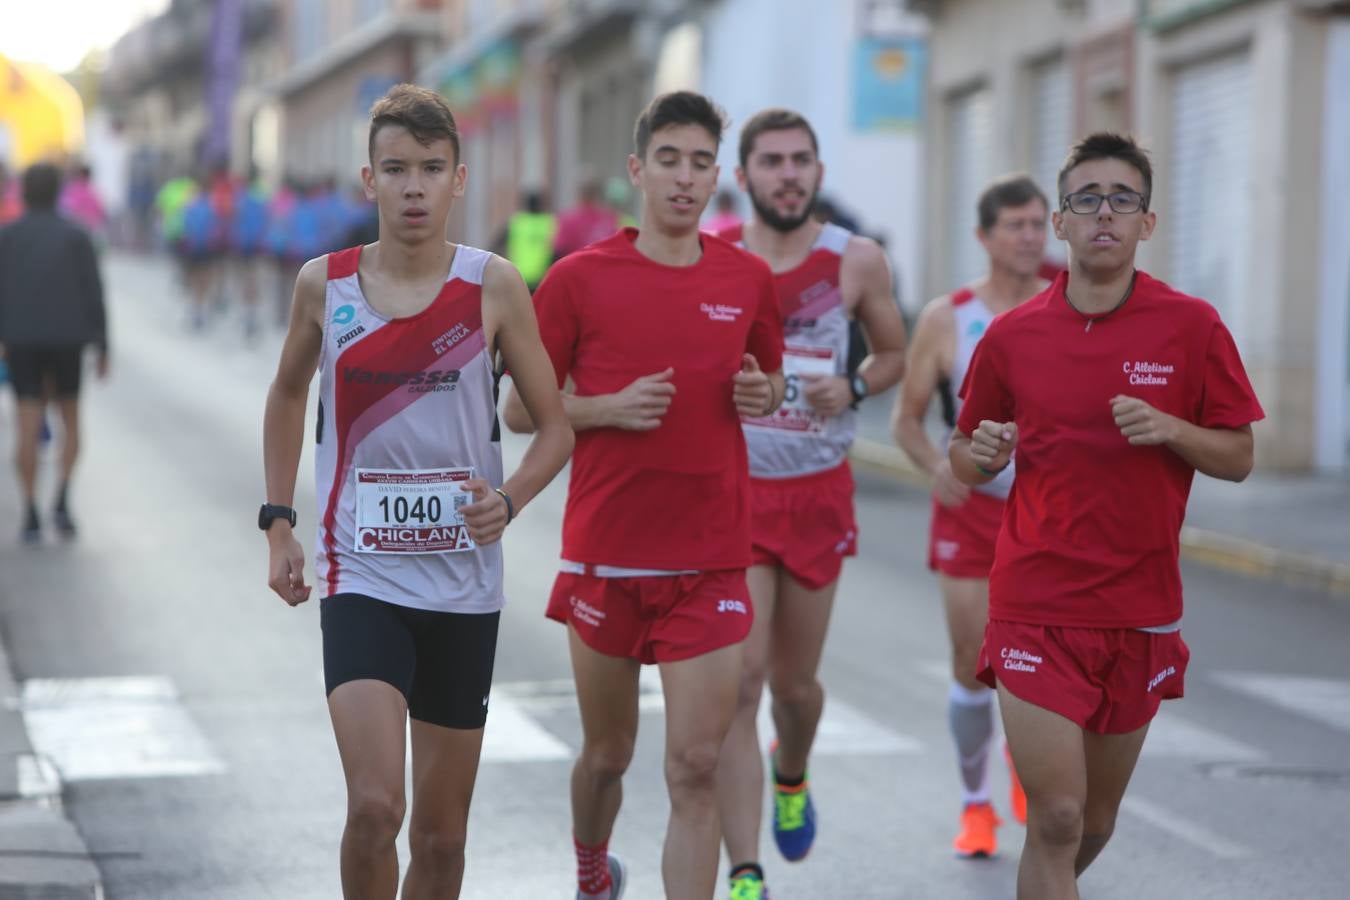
column 223, row 58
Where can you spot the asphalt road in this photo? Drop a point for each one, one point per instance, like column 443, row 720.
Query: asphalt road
column 184, row 702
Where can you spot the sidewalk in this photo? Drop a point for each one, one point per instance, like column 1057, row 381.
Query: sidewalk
column 41, row 853
column 1288, row 528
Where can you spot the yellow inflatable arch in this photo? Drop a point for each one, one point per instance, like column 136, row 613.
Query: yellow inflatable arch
column 41, row 114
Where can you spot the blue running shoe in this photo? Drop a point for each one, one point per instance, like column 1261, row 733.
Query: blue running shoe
column 794, row 816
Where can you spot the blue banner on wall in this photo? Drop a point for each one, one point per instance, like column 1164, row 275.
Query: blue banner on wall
column 889, row 74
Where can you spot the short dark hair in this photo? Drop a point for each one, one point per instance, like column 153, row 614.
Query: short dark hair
column 1107, row 145
column 1017, row 189
column 420, row 110
column 677, row 108
column 41, row 186
column 773, row 119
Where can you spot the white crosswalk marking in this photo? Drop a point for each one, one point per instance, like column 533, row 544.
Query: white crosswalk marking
column 1326, row 700
column 512, row 735
column 134, row 727
column 1173, row 736
column 1183, row 828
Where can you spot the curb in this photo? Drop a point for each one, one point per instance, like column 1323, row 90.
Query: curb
column 1210, row 548
column 44, row 855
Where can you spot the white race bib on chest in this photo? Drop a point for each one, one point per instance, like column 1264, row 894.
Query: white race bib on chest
column 412, row 510
column 795, row 413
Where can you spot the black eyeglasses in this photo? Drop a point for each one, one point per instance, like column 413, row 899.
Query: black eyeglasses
column 1085, row 203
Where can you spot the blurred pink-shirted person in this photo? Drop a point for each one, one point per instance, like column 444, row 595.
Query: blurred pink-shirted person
column 589, row 221
column 80, row 203
column 725, row 216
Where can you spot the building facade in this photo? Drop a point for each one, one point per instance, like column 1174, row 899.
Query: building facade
column 341, row 57
column 1245, row 108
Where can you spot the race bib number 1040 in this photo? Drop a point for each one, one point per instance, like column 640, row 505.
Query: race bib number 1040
column 412, row 510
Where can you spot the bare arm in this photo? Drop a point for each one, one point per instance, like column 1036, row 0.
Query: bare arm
column 284, row 425
column 865, row 264
column 865, row 275
column 928, row 361
column 510, row 318
column 638, row 407
column 977, row 458
column 1225, row 453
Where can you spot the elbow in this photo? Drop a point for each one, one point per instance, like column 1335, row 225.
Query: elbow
column 1242, row 467
column 1244, row 460
column 902, row 432
column 565, row 437
column 517, row 421
column 516, row 416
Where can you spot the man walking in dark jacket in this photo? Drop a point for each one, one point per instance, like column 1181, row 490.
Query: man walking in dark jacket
column 51, row 308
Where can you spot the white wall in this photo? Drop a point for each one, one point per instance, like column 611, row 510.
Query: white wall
column 760, row 53
column 1333, row 377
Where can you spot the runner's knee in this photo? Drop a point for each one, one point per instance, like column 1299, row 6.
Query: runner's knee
column 795, row 691
column 606, row 760
column 440, row 848
column 375, row 816
column 752, row 685
column 692, row 767
column 965, row 656
column 1057, row 821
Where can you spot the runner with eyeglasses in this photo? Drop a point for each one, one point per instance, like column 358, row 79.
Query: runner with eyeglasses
column 1114, row 388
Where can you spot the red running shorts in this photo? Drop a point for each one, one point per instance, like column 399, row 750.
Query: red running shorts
column 1107, row 680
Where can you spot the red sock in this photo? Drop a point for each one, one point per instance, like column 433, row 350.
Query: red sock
column 592, row 867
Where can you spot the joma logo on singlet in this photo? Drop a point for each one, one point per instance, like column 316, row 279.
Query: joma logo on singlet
column 358, row 375
column 354, row 333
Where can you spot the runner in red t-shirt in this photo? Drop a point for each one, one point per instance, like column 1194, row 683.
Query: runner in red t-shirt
column 1012, row 217
column 1114, row 388
column 668, row 337
column 828, row 281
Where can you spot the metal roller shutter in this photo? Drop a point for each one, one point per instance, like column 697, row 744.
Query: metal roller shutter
column 969, row 144
column 1209, row 207
column 1051, row 131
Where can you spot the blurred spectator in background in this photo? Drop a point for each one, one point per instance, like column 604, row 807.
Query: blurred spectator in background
column 725, row 213
column 170, row 201
column 589, row 221
column 51, row 307
column 11, row 206
column 201, row 245
column 529, row 239
column 619, row 196
column 828, row 211
column 141, row 197
column 279, row 212
column 363, row 219
column 80, row 202
column 248, row 233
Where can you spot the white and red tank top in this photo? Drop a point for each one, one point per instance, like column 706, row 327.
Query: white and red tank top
column 972, row 316
column 796, row 440
column 407, row 410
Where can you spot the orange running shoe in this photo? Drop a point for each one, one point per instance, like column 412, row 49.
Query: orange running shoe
column 1017, row 798
column 977, row 840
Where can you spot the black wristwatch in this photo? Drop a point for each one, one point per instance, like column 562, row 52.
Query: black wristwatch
column 271, row 512
column 857, row 386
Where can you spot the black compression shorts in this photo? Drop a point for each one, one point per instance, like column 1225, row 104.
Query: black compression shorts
column 441, row 662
